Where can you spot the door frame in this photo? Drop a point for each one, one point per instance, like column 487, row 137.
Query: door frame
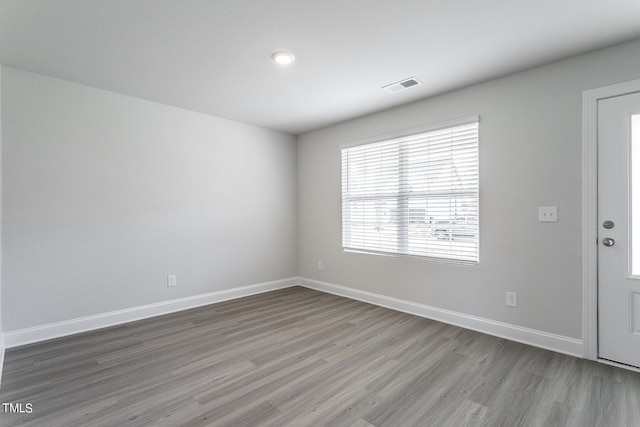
column 590, row 100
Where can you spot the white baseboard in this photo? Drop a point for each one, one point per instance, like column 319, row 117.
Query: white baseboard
column 557, row 343
column 69, row 327
column 1, row 356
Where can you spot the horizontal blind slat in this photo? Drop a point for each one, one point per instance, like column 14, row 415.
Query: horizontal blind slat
column 414, row 195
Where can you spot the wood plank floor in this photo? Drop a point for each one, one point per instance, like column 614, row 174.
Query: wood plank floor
column 297, row 357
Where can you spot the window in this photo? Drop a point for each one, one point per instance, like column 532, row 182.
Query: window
column 414, row 195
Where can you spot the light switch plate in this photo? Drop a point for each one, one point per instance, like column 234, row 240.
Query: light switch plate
column 548, row 214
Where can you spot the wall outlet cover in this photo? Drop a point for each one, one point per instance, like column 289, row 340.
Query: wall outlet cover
column 548, row 214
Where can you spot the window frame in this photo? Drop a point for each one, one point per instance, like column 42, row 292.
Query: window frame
column 401, row 196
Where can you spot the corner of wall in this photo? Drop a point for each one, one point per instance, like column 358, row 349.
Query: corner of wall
column 1, row 208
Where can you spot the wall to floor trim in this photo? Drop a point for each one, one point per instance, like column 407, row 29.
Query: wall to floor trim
column 25, row 336
column 557, row 343
column 1, row 356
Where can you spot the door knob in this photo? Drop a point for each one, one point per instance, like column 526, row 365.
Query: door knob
column 608, row 241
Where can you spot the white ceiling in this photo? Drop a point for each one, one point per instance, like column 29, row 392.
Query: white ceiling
column 213, row 56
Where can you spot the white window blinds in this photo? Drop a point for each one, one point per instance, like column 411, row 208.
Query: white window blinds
column 414, row 195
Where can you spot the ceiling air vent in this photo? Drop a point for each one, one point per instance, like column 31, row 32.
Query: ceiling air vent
column 402, row 85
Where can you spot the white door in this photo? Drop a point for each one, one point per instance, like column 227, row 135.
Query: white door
column 619, row 229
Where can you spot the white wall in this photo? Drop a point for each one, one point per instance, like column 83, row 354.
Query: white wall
column 530, row 156
column 105, row 195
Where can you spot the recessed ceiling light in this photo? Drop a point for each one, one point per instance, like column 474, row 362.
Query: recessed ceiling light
column 283, row 58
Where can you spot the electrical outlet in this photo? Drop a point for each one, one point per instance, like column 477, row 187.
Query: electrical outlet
column 511, row 299
column 172, row 280
column 548, row 214
column 320, row 265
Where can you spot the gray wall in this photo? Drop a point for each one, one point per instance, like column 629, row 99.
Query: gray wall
column 105, row 195
column 1, row 329
column 530, row 156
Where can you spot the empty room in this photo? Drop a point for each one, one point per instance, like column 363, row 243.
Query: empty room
column 320, row 213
